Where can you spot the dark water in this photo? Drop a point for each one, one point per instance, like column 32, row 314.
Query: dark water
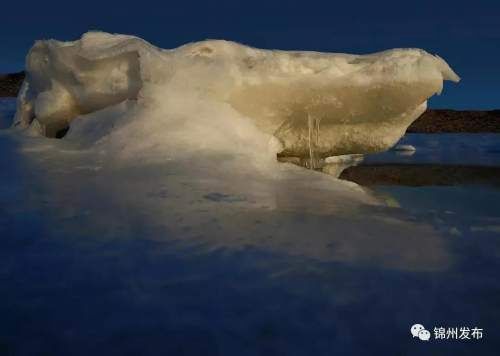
column 84, row 272
column 7, row 111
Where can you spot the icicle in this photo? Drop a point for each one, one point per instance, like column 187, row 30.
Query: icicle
column 313, row 138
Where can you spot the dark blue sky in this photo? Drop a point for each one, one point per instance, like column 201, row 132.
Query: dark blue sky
column 466, row 34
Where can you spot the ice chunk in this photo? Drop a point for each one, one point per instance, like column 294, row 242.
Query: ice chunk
column 312, row 104
column 408, row 148
column 187, row 139
column 405, row 150
column 336, row 164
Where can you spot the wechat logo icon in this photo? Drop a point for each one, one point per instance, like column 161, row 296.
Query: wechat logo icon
column 418, row 330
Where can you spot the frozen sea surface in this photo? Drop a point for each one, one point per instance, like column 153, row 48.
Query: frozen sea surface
column 99, row 260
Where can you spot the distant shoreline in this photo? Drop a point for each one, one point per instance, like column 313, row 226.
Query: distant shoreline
column 10, row 84
column 457, row 121
column 419, row 175
column 432, row 121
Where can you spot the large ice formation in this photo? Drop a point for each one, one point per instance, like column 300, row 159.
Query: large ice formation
column 181, row 145
column 219, row 94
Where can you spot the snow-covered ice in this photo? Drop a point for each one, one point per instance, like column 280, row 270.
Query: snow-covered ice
column 221, row 95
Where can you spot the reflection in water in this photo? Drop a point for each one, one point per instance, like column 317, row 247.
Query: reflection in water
column 100, row 258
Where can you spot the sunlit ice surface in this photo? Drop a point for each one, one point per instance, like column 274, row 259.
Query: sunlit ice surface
column 164, row 223
column 147, row 257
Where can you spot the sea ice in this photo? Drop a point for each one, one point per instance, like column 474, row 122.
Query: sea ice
column 408, row 148
column 182, row 144
column 224, row 96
